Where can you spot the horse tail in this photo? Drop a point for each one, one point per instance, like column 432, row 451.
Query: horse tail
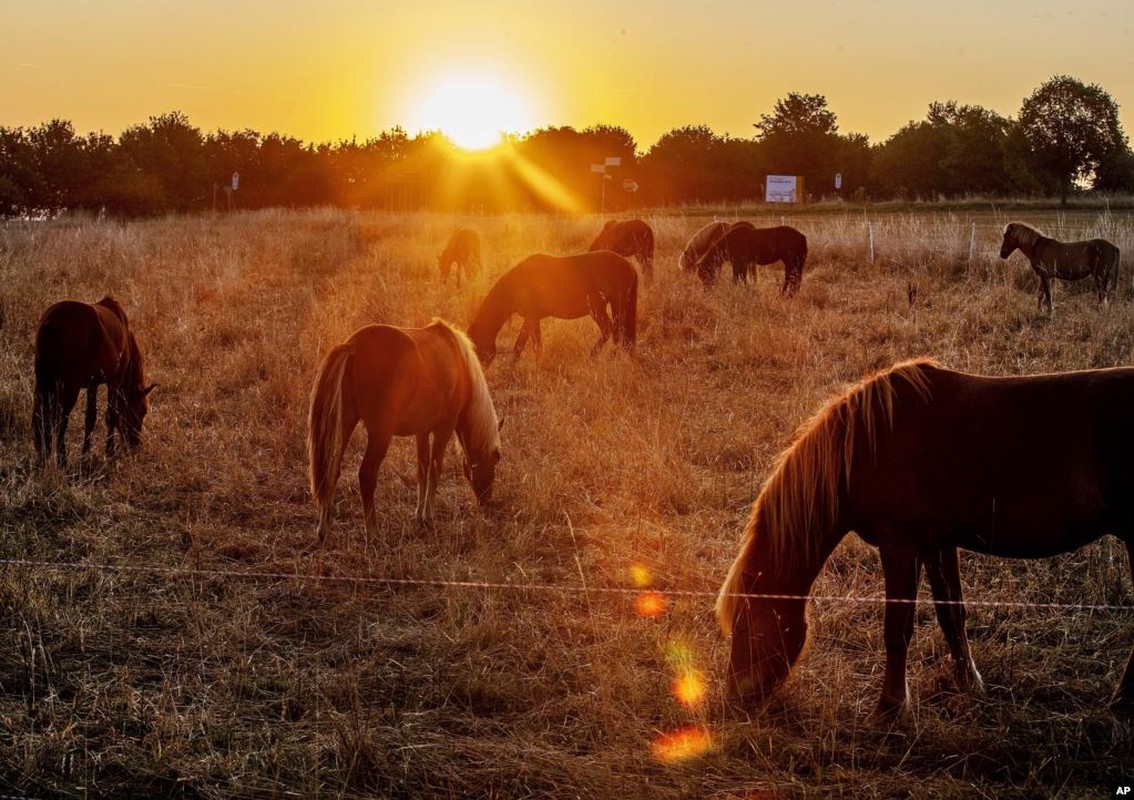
column 325, row 424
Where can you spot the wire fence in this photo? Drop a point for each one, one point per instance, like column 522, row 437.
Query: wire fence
column 359, row 580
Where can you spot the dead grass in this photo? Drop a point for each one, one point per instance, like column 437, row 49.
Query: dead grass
column 185, row 647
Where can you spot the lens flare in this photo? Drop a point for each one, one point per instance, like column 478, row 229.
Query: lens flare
column 649, row 604
column 640, row 575
column 689, row 689
column 682, row 744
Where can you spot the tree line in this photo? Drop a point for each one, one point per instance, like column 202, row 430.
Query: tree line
column 1066, row 138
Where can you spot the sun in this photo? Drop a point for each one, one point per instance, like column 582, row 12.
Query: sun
column 472, row 109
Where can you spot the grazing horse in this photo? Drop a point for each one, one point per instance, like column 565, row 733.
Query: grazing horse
column 699, row 244
column 567, row 287
column 80, row 346
column 746, row 246
column 632, row 237
column 919, row 461
column 463, row 250
column 1069, row 261
column 423, row 382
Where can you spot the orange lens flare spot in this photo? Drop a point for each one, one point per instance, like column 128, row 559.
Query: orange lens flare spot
column 689, row 689
column 649, row 604
column 682, row 744
column 640, row 576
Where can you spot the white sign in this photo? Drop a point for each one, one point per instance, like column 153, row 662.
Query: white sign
column 612, row 161
column 235, row 180
column 838, row 180
column 599, row 168
column 783, row 189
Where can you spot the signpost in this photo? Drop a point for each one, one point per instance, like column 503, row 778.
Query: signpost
column 609, row 161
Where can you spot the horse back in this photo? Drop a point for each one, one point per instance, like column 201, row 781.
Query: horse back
column 980, row 464
column 79, row 342
column 463, row 245
column 408, row 380
column 632, row 237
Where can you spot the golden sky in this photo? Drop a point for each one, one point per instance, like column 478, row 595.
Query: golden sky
column 325, row 71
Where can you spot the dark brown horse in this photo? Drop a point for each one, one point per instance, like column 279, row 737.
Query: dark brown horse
column 423, row 382
column 919, row 461
column 567, row 287
column 699, row 244
column 746, row 246
column 1069, row 261
column 463, row 250
column 629, row 238
column 80, row 346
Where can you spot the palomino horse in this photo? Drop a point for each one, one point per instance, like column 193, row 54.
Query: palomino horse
column 629, row 238
column 79, row 346
column 567, row 287
column 746, row 246
column 699, row 244
column 463, row 250
column 919, row 461
column 1069, row 261
column 419, row 382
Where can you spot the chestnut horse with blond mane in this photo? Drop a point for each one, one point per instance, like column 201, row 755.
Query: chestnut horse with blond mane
column 1068, row 261
column 423, row 382
column 567, row 287
column 919, row 461
column 80, row 346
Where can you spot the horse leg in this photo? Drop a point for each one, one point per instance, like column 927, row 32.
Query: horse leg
column 1045, row 294
column 66, row 401
column 436, row 459
column 602, row 319
column 944, row 571
column 422, row 475
column 901, row 569
column 522, row 339
column 91, row 417
column 377, row 443
column 1123, row 698
column 43, row 420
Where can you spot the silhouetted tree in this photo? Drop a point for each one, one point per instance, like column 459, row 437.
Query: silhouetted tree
column 800, row 137
column 165, row 164
column 957, row 149
column 1071, row 129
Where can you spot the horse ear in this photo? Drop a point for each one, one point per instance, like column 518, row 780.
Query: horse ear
column 149, row 389
column 500, row 424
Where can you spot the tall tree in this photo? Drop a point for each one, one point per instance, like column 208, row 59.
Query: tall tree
column 801, row 137
column 1071, row 129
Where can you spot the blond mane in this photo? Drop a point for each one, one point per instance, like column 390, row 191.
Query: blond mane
column 800, row 501
column 483, row 432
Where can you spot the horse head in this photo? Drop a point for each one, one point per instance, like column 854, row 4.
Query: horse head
column 1009, row 244
column 481, row 474
column 131, row 404
column 767, row 639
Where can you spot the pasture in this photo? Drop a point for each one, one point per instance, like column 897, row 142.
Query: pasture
column 166, row 635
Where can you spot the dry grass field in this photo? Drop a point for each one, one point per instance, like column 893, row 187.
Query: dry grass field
column 164, row 634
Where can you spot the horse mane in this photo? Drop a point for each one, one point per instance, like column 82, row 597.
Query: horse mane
column 1025, row 236
column 800, row 500
column 483, row 432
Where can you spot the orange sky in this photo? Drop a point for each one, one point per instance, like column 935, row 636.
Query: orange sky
column 331, row 70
